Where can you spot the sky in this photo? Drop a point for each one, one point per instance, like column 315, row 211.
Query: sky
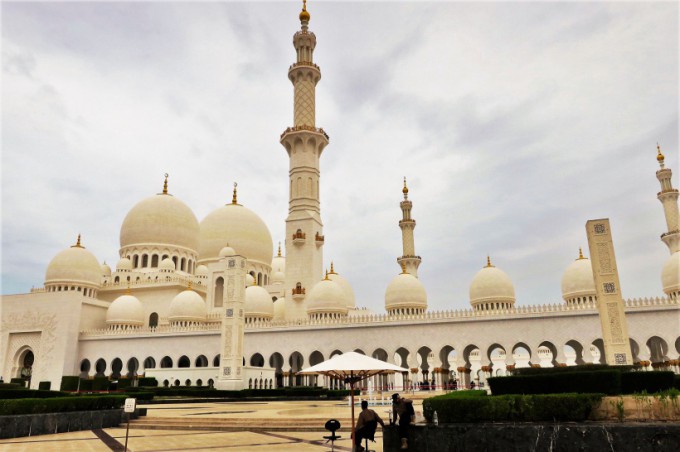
column 514, row 123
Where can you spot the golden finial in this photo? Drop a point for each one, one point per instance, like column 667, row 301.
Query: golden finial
column 332, row 269
column 580, row 253
column 254, row 281
column 233, row 197
column 165, row 185
column 279, row 255
column 403, row 267
column 488, row 262
column 326, row 277
column 659, row 155
column 405, row 189
column 78, row 245
column 189, row 284
column 304, row 15
column 128, row 291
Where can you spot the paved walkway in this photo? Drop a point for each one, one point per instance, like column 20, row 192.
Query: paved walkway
column 251, row 418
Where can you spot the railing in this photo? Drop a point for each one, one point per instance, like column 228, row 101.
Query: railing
column 306, row 128
column 213, row 320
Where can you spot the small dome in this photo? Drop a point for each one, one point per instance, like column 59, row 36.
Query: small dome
column 326, row 297
column 405, row 291
column 350, row 300
column 106, row 270
column 125, row 310
column 250, row 280
column 279, row 262
column 124, row 265
column 202, row 270
column 670, row 275
column 167, row 264
column 491, row 284
column 278, row 278
column 187, row 306
column 280, row 309
column 259, row 303
column 245, row 232
column 227, row 251
column 160, row 220
column 74, row 265
column 577, row 280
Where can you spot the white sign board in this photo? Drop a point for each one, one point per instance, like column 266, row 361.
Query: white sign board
column 130, row 405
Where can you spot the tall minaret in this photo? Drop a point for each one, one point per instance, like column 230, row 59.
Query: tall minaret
column 669, row 199
column 304, row 143
column 409, row 261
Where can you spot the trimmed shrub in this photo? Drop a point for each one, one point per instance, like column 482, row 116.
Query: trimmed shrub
column 124, row 383
column 601, row 381
column 468, row 393
column 651, row 382
column 676, row 382
column 511, row 408
column 69, row 383
column 9, row 386
column 60, row 404
column 45, row 385
column 86, row 385
column 23, row 393
column 101, row 384
column 147, row 381
column 18, row 381
column 567, row 369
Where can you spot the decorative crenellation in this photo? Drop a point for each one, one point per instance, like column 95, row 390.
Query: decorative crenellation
column 546, row 310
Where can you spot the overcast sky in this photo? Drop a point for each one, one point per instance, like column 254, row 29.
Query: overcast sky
column 514, row 123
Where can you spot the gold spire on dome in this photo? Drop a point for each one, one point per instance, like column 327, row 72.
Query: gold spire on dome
column 279, row 255
column 304, row 15
column 78, row 245
column 165, row 184
column 128, row 291
column 488, row 262
column 405, row 189
column 659, row 156
column 332, row 269
column 326, row 277
column 254, row 281
column 580, row 253
column 189, row 284
column 233, row 196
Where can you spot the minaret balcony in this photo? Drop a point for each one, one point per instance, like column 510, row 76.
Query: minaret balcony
column 299, row 237
column 298, row 292
column 305, row 129
column 319, row 239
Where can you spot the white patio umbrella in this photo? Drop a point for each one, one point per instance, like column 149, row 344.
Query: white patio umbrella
column 352, row 367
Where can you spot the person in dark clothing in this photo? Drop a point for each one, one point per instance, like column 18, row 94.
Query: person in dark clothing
column 404, row 408
column 365, row 417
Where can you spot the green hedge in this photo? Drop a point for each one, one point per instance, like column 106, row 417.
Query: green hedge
column 23, row 393
column 511, row 408
column 60, row 404
column 466, row 393
column 651, row 382
column 45, row 385
column 568, row 369
column 18, row 381
column 10, row 386
column 86, row 385
column 124, row 383
column 147, row 381
column 600, row 381
column 69, row 383
column 101, row 384
column 183, row 391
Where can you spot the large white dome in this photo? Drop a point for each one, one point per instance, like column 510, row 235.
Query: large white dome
column 404, row 292
column 577, row 281
column 670, row 275
column 238, row 226
column 259, row 303
column 187, row 306
column 160, row 220
column 346, row 287
column 125, row 310
column 491, row 285
column 326, row 297
column 74, row 265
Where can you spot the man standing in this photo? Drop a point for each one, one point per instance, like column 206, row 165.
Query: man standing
column 368, row 421
column 404, row 408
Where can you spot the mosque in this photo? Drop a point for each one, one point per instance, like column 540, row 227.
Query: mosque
column 159, row 311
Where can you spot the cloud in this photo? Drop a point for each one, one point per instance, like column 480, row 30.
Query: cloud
column 514, row 123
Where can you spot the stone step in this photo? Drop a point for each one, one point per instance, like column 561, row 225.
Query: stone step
column 222, row 424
